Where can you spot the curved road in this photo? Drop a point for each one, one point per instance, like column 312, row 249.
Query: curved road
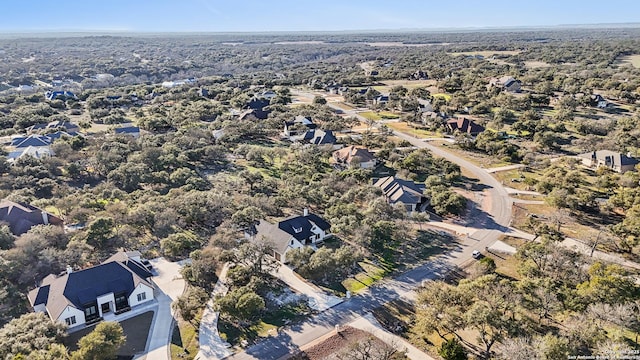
column 494, row 221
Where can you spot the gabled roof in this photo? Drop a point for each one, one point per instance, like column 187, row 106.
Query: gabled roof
column 399, row 190
column 31, row 140
column 615, row 158
column 464, row 125
column 299, row 119
column 22, row 217
column 37, row 152
column 298, row 227
column 347, row 154
column 257, row 104
column 320, row 137
column 61, row 123
column 81, row 287
column 127, row 130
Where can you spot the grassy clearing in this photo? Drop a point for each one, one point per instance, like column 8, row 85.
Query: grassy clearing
column 629, row 59
column 368, row 276
column 447, row 97
column 184, row 340
column 272, row 320
column 375, row 116
column 419, row 133
column 482, row 160
column 486, row 53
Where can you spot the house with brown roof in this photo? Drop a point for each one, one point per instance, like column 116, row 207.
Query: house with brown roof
column 613, row 160
column 405, row 192
column 356, row 156
column 464, row 125
column 291, row 233
column 101, row 292
column 22, row 217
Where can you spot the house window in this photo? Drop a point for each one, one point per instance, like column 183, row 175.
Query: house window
column 70, row 320
column 142, row 296
column 291, row 242
column 88, row 312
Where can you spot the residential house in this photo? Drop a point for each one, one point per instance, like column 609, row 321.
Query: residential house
column 128, row 130
column 424, row 106
column 268, row 94
column 419, row 75
column 506, row 83
column 101, row 292
column 299, row 125
column 596, row 100
column 355, row 156
column 66, row 125
column 253, row 114
column 38, row 146
column 291, row 233
column 259, row 107
column 380, row 100
column 404, row 192
column 31, row 140
column 22, row 217
column 613, row 160
column 60, row 95
column 321, row 137
column 171, row 84
column 38, row 152
column 464, row 125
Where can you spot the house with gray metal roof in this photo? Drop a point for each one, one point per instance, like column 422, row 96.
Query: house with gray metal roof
column 101, row 292
column 291, row 233
column 405, row 192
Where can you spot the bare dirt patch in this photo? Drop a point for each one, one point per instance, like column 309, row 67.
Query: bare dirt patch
column 335, row 344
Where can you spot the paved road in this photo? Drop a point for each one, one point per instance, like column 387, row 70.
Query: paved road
column 493, row 219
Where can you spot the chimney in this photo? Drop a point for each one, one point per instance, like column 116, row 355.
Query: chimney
column 69, row 269
column 629, row 154
column 305, row 212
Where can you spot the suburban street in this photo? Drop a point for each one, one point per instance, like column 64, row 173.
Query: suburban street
column 493, row 220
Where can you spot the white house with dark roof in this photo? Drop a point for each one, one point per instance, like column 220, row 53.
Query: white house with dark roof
column 613, row 160
column 100, row 292
column 291, row 233
column 507, row 83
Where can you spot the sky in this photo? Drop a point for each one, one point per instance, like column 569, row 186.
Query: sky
column 304, row 15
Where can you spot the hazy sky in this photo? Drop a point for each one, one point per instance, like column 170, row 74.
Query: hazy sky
column 304, row 15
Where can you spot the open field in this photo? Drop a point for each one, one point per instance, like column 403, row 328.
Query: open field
column 486, row 53
column 407, row 128
column 371, row 115
column 536, row 64
column 629, row 59
column 482, row 160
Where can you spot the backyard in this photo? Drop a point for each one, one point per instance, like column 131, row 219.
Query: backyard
column 136, row 329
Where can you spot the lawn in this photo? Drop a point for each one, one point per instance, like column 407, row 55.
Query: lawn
column 629, row 59
column 479, row 159
column 381, row 115
column 447, row 97
column 271, row 321
column 184, row 340
column 368, row 276
column 487, row 53
column 419, row 133
column 135, row 329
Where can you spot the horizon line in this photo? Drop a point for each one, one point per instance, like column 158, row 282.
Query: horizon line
column 352, row 31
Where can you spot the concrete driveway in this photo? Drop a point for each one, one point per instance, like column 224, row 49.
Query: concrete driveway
column 318, row 299
column 169, row 285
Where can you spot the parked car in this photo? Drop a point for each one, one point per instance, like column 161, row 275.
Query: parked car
column 476, row 254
